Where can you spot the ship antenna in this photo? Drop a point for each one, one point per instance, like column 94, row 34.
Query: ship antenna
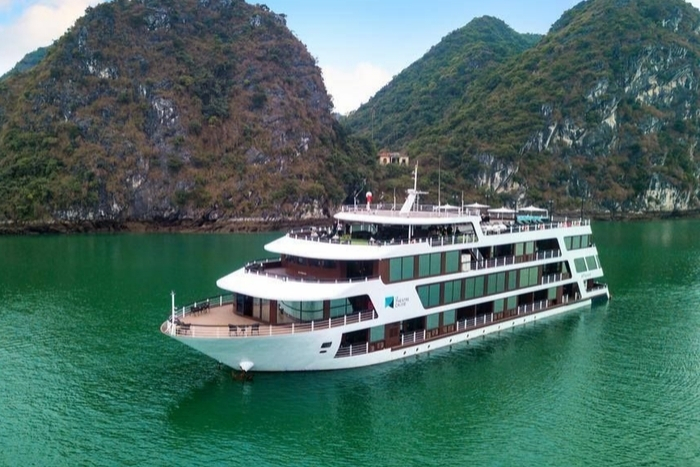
column 439, row 177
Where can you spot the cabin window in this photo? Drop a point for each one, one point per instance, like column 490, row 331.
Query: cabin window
column 423, row 294
column 500, row 282
column 585, row 241
column 451, row 262
column 511, row 303
column 568, row 241
column 456, row 291
column 529, row 248
column 424, row 265
column 448, row 317
column 395, row 269
column 552, row 293
column 400, row 269
column 434, row 295
column 491, row 284
column 340, row 307
column 429, row 295
column 447, row 292
column 590, row 262
column 435, row 266
column 432, row 321
column 576, row 243
column 452, row 291
column 533, row 276
column 376, row 334
column 498, row 306
column 580, row 264
column 519, row 249
column 512, row 280
column 479, row 286
column 474, row 287
column 303, row 311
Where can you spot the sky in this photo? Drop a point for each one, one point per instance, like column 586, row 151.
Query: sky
column 359, row 44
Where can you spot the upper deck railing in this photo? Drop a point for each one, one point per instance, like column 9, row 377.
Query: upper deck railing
column 182, row 328
column 325, row 235
column 422, row 210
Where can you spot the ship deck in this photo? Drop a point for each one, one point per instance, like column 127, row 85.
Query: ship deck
column 218, row 316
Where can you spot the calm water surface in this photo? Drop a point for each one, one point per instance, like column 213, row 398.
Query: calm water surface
column 87, row 379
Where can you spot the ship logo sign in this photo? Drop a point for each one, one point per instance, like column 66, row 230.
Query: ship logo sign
column 395, row 302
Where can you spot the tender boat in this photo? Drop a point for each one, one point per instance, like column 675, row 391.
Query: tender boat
column 385, row 283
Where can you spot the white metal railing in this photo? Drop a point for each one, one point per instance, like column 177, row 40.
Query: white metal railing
column 509, row 260
column 261, row 329
column 500, row 228
column 259, row 270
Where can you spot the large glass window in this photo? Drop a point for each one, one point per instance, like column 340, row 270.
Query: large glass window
column 533, row 276
column 580, row 264
column 511, row 303
column 448, row 317
column 424, row 265
column 434, row 295
column 435, row 265
column 498, row 305
column 447, row 292
column 512, row 278
column 491, row 285
column 469, row 288
column 401, row 269
column 340, row 307
column 529, row 248
column 552, row 293
column 524, row 278
column 590, row 263
column 424, row 295
column 479, row 286
column 500, row 282
column 456, row 291
column 407, row 268
column 376, row 334
column 432, row 321
column 451, row 261
column 519, row 249
column 429, row 295
column 395, row 269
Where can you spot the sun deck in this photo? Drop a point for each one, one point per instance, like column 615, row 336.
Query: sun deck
column 215, row 318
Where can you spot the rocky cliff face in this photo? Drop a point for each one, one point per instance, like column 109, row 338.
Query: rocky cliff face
column 603, row 110
column 168, row 109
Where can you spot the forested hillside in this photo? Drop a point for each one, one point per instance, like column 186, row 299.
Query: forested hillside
column 603, row 110
column 171, row 110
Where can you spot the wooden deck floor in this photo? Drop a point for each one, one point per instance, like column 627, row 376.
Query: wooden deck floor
column 218, row 316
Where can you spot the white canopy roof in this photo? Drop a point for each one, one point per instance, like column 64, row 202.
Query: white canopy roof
column 476, row 206
column 532, row 208
column 502, row 210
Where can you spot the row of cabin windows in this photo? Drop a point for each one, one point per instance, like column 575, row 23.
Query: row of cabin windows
column 402, row 269
column 316, row 263
column 576, row 242
column 432, row 321
column 442, row 293
column 589, row 263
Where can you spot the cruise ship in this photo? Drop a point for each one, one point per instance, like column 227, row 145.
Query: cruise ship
column 390, row 282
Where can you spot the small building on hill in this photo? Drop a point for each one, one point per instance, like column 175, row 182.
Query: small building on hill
column 387, row 157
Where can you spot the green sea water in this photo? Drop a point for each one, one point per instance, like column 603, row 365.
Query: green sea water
column 86, row 378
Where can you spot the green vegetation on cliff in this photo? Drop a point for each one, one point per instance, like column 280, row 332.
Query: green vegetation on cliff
column 171, row 109
column 604, row 108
